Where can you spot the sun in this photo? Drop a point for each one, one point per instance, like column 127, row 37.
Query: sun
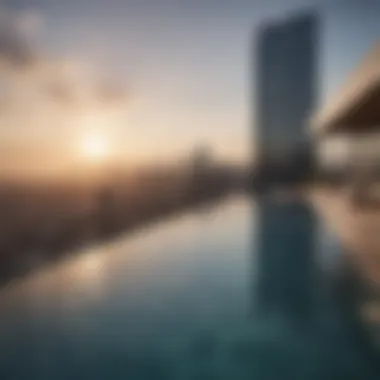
column 94, row 146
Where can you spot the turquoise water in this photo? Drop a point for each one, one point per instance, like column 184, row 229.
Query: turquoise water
column 239, row 290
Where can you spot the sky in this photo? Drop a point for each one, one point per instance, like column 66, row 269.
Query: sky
column 152, row 79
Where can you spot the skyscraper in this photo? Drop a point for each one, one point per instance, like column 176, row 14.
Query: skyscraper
column 286, row 85
column 286, row 95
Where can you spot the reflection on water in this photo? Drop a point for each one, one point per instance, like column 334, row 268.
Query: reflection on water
column 285, row 265
column 240, row 291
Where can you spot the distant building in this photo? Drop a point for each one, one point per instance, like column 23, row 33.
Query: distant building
column 105, row 208
column 286, row 85
column 202, row 157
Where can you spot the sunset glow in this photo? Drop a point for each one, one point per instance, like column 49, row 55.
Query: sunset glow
column 94, row 146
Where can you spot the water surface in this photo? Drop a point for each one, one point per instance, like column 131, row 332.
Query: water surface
column 239, row 290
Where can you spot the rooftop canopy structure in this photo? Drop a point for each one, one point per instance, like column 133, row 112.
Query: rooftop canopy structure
column 356, row 106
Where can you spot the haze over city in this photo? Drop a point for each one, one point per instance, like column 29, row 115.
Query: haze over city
column 183, row 195
column 138, row 82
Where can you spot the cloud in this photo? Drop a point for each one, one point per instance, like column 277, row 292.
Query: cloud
column 112, row 93
column 29, row 23
column 40, row 92
column 15, row 46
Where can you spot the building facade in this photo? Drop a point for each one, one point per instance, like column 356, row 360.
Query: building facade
column 286, row 85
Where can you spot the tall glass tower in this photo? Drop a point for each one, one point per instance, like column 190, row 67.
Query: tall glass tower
column 286, row 84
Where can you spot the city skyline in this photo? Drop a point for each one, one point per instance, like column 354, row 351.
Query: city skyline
column 182, row 73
